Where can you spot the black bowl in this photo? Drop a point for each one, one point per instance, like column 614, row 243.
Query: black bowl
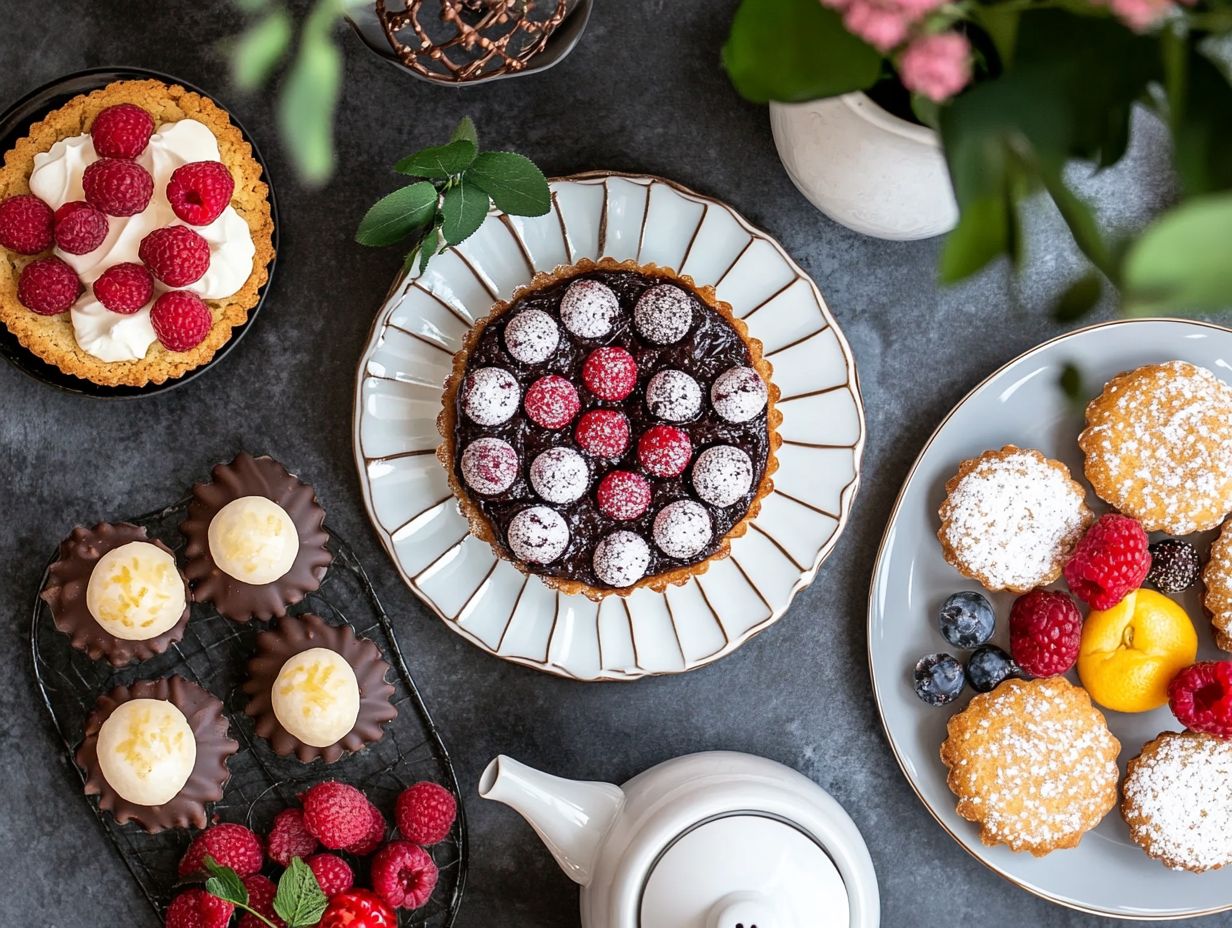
column 15, row 123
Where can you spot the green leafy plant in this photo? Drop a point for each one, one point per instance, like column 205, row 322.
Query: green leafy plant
column 449, row 203
column 299, row 901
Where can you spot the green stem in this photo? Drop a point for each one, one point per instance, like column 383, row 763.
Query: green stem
column 255, row 914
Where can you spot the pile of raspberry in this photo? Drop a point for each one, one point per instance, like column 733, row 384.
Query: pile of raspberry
column 116, row 185
column 334, row 829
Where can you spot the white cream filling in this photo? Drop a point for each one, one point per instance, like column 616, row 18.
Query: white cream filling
column 316, row 697
column 147, row 751
column 135, row 591
column 253, row 540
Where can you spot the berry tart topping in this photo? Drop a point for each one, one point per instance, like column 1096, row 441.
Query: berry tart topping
column 623, row 495
column 336, row 814
column 195, row 908
column 80, row 228
column 229, row 844
column 966, row 620
column 425, row 813
column 722, row 475
column 489, row 465
column 603, row 433
column 124, row 288
column 663, row 314
column 181, row 320
column 552, row 401
column 621, row 559
column 289, row 838
column 1175, row 566
column 118, row 188
column 48, row 286
column 1112, row 560
column 403, row 875
column 1201, row 697
column 1045, row 632
column 531, row 336
column 26, row 224
column 988, row 667
column 673, row 395
column 610, row 373
column 121, row 131
column 738, row 394
column 664, row 451
column 490, row 396
column 682, row 528
column 199, row 191
column 176, row 255
column 589, row 308
column 358, row 908
column 334, row 875
column 559, row 475
column 538, row 535
column 939, row 679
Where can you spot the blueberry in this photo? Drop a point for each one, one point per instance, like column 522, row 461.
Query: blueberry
column 939, row 679
column 988, row 666
column 966, row 620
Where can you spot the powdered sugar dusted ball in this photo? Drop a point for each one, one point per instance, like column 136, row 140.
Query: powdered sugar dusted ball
column 532, row 336
column 682, row 528
column 538, row 535
column 559, row 475
column 738, row 394
column 621, row 559
column 490, row 396
column 722, row 475
column 663, row 314
column 489, row 465
column 673, row 395
column 588, row 308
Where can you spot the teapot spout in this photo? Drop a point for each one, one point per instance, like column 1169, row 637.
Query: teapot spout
column 570, row 816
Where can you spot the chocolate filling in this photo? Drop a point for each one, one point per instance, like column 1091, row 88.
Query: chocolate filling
column 65, row 593
column 249, row 476
column 209, row 774
column 294, row 635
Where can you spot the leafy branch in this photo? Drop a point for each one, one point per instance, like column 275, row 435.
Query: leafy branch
column 299, row 901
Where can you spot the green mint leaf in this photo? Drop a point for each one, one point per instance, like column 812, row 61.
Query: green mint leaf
column 397, row 215
column 306, row 105
column 428, row 248
column 225, row 883
column 1180, row 261
column 466, row 130
column 299, row 901
column 1070, row 383
column 463, row 209
column 259, row 49
column 512, row 181
column 440, row 161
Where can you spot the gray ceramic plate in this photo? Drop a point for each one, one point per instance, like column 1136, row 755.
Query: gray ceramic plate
column 1021, row 404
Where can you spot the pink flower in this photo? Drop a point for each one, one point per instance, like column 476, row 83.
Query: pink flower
column 1140, row 15
column 937, row 66
column 884, row 24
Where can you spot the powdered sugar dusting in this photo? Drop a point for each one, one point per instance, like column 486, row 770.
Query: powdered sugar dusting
column 589, row 308
column 621, row 559
column 682, row 528
column 538, row 535
column 738, row 394
column 722, row 475
column 532, row 336
column 559, row 475
column 674, row 396
column 490, row 396
column 663, row 314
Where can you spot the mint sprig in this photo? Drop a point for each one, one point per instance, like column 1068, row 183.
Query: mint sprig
column 299, row 901
column 458, row 185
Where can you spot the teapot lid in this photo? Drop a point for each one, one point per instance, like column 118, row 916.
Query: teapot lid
column 744, row 870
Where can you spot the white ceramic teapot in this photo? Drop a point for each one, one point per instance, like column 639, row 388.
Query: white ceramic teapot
column 713, row 840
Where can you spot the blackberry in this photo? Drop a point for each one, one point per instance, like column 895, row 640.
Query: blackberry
column 1174, row 566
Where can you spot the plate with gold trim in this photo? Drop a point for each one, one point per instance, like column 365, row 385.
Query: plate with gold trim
column 486, row 599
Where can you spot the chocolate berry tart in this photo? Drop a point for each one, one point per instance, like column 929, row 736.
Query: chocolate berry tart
column 612, row 426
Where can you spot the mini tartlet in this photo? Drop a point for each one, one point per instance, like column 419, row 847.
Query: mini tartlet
column 610, row 427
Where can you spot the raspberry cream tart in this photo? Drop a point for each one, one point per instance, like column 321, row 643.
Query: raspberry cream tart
column 155, row 753
column 135, row 234
column 612, row 426
column 317, row 690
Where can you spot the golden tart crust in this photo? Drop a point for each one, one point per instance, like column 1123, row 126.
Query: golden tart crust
column 51, row 337
column 1217, row 585
column 1032, row 763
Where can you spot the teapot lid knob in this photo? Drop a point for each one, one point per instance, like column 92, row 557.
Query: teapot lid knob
column 745, row 910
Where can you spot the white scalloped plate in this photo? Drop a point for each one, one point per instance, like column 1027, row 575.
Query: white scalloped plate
column 484, row 598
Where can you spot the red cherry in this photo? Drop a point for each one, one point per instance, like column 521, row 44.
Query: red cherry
column 664, row 451
column 358, row 908
column 610, row 373
column 552, row 401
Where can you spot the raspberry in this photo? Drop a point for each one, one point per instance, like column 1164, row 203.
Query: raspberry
column 358, row 909
column 289, row 838
column 1045, row 631
column 1175, row 566
column 25, row 224
column 195, row 908
column 425, row 812
column 377, row 827
column 337, row 814
column 403, row 875
column 118, row 188
column 199, row 192
column 181, row 320
column 623, row 495
column 1111, row 560
column 664, row 451
column 124, row 288
column 610, row 373
column 603, row 432
column 121, row 131
column 1201, row 697
column 552, row 401
column 176, row 255
column 48, row 286
column 261, row 892
column 230, row 845
column 80, row 228
column 333, row 874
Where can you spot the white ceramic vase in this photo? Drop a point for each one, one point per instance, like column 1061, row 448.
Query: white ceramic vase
column 865, row 167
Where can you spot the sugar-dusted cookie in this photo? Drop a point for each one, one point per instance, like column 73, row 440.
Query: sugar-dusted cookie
column 1033, row 763
column 1158, row 446
column 1010, row 519
column 1217, row 584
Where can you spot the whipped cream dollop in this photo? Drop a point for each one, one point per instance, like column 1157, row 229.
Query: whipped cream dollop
column 56, row 180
